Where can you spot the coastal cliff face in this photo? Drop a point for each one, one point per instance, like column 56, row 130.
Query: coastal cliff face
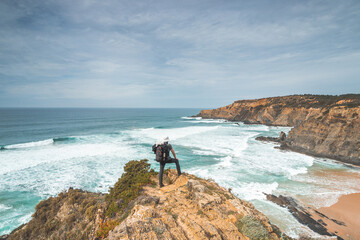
column 186, row 208
column 324, row 126
column 335, row 134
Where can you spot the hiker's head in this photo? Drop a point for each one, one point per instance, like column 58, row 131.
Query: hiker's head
column 166, row 140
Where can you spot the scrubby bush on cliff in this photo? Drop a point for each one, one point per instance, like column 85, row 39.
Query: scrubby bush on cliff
column 105, row 228
column 136, row 175
column 308, row 101
column 252, row 228
column 61, row 217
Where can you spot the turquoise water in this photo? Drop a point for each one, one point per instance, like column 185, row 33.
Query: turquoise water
column 46, row 151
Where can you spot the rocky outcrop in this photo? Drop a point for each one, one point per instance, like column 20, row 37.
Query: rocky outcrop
column 74, row 214
column 305, row 215
column 186, row 208
column 324, row 126
column 280, row 139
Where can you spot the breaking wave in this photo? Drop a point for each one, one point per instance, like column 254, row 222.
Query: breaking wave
column 38, row 143
column 210, row 148
column 4, row 207
column 192, row 118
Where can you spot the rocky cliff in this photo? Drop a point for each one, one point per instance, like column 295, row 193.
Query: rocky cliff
column 136, row 208
column 324, row 126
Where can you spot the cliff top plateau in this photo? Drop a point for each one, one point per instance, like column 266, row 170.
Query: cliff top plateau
column 310, row 101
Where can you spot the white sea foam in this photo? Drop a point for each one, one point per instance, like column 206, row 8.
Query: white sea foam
column 4, row 207
column 293, row 172
column 225, row 162
column 282, row 218
column 323, row 190
column 94, row 164
column 228, row 153
column 204, row 152
column 255, row 127
column 209, row 121
column 16, row 160
column 256, row 190
column 30, row 144
column 152, row 134
column 24, row 219
column 190, row 118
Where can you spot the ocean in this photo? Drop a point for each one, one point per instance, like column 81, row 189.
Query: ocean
column 46, row 151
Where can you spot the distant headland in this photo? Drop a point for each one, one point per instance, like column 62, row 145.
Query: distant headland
column 323, row 125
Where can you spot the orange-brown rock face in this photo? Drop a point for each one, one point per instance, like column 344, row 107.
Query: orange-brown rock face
column 191, row 208
column 326, row 126
column 186, row 208
column 335, row 134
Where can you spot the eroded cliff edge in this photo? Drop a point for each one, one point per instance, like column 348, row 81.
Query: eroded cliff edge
column 323, row 125
column 136, row 208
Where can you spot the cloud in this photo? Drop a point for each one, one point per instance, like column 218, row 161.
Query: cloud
column 161, row 52
column 95, row 89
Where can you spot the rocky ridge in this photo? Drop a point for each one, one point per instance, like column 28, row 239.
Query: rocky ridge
column 186, row 208
column 324, row 126
column 306, row 215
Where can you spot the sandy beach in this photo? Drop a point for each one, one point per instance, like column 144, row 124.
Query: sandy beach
column 346, row 212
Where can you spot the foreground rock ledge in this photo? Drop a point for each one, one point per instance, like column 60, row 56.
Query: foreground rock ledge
column 323, row 125
column 186, row 208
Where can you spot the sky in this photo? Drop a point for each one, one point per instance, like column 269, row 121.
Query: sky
column 201, row 54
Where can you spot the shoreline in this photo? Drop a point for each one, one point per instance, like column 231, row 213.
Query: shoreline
column 321, row 126
column 285, row 146
column 343, row 216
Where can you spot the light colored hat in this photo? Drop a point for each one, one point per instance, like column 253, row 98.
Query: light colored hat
column 162, row 141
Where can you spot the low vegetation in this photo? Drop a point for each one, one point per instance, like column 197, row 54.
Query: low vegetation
column 105, row 228
column 309, row 100
column 73, row 213
column 48, row 222
column 136, row 175
column 252, row 228
column 119, row 201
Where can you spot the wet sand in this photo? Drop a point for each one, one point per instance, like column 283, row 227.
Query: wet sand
column 347, row 211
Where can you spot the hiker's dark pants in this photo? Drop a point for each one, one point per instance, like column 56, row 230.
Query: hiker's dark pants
column 162, row 165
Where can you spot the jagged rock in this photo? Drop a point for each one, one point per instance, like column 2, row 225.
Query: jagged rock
column 267, row 139
column 188, row 208
column 301, row 214
column 279, row 139
column 323, row 126
column 146, row 200
column 282, row 136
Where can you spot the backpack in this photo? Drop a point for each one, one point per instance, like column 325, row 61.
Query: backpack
column 161, row 152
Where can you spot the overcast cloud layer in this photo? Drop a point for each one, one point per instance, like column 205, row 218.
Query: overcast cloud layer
column 88, row 53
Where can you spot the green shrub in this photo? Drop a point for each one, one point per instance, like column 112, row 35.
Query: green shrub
column 90, row 212
column 105, row 228
column 136, row 175
column 252, row 228
column 158, row 230
column 201, row 213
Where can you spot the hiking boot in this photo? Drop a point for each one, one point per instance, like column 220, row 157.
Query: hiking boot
column 162, row 185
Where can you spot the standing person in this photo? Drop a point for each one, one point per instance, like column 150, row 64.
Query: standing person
column 162, row 149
